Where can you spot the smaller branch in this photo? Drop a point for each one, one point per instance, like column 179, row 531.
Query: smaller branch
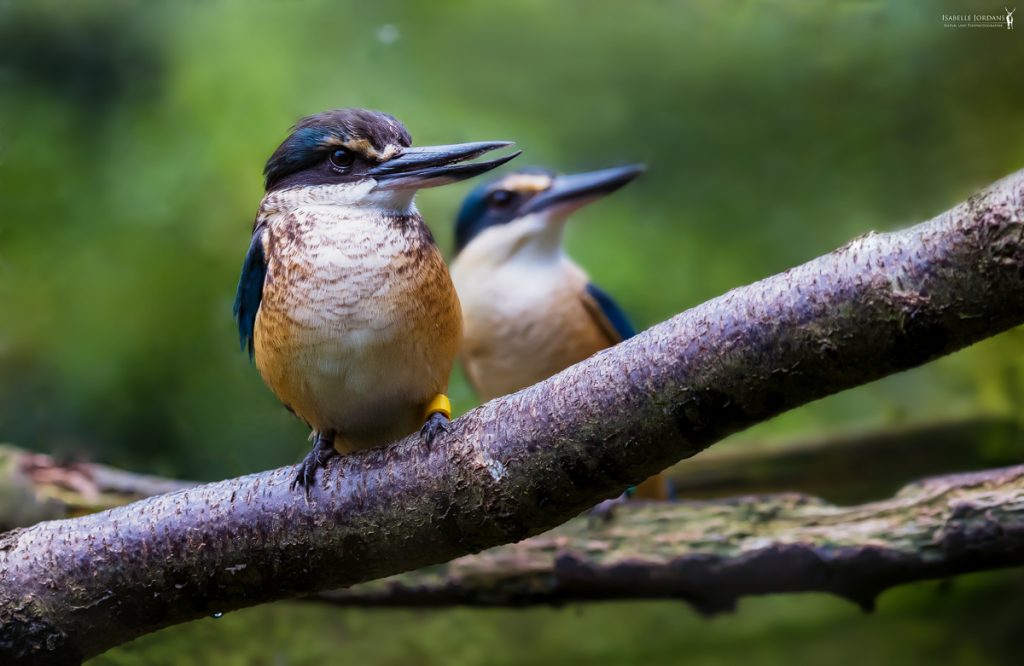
column 713, row 553
column 35, row 487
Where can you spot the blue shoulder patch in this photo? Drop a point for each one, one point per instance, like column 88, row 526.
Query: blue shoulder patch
column 250, row 291
column 612, row 311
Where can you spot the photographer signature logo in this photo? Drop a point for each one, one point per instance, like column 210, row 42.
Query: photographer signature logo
column 979, row 20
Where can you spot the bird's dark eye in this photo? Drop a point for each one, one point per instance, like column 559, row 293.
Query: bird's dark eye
column 342, row 159
column 500, row 198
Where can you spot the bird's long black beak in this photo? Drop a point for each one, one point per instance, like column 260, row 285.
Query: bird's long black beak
column 430, row 166
column 571, row 192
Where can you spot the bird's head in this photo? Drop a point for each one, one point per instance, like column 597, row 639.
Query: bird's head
column 523, row 212
column 357, row 157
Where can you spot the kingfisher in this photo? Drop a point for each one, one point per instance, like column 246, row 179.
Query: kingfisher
column 529, row 311
column 345, row 303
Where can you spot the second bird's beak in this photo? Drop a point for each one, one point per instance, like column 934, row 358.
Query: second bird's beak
column 430, row 166
column 567, row 193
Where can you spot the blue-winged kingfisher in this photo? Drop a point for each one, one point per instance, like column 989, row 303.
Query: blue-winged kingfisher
column 530, row 311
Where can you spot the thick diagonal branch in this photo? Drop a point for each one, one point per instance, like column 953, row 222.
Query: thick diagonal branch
column 712, row 553
column 522, row 464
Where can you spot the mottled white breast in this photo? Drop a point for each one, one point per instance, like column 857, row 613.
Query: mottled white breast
column 359, row 323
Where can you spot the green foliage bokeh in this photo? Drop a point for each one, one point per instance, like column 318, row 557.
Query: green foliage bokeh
column 132, row 138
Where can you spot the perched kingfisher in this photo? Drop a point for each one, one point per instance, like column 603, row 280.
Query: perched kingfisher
column 344, row 301
column 529, row 311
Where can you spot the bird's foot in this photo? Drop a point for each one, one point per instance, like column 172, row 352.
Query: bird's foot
column 605, row 511
column 435, row 425
column 323, row 450
column 438, row 415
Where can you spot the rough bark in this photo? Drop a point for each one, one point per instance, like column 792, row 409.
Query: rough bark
column 522, row 464
column 712, row 553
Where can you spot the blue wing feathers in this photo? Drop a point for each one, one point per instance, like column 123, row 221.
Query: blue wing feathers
column 250, row 292
column 611, row 310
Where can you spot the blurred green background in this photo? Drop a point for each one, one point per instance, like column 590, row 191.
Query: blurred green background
column 132, row 138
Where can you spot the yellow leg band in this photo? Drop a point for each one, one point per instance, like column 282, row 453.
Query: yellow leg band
column 439, row 404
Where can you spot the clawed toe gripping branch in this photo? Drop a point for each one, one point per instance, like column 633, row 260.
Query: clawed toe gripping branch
column 523, row 464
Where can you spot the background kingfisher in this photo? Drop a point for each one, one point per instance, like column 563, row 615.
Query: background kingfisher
column 529, row 311
column 344, row 300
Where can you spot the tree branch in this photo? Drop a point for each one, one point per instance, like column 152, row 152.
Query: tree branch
column 522, row 464
column 35, row 487
column 712, row 553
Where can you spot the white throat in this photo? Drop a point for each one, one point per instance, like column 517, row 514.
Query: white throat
column 533, row 240
column 355, row 198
